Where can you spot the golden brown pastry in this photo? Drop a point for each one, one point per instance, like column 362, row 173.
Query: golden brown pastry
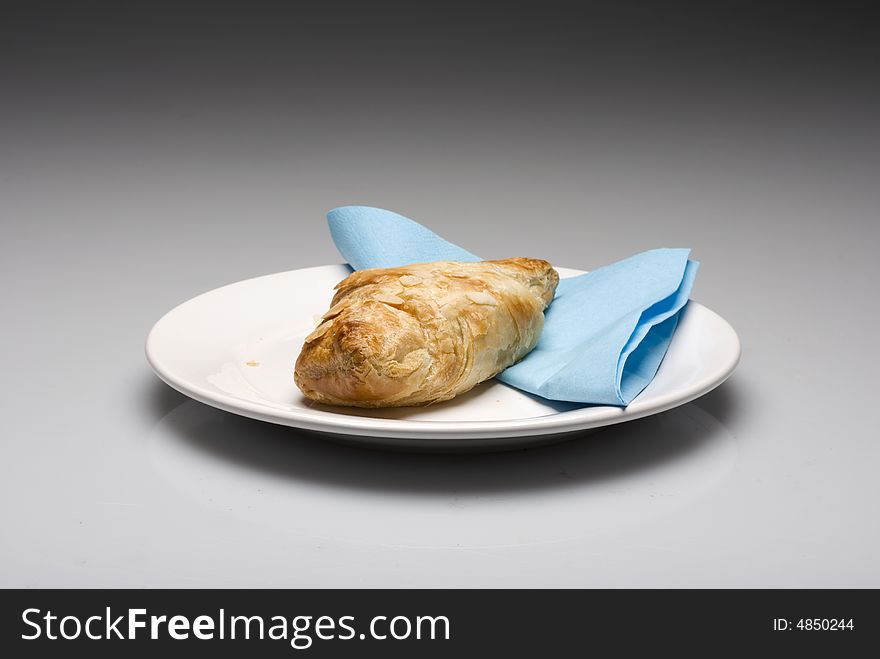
column 424, row 333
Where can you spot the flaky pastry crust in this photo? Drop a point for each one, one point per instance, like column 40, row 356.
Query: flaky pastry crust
column 424, row 333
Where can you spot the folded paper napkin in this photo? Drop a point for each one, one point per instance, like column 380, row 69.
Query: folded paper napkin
column 605, row 333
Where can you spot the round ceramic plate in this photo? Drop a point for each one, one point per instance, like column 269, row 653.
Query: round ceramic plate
column 235, row 348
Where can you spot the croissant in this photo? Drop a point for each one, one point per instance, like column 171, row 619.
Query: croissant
column 424, row 333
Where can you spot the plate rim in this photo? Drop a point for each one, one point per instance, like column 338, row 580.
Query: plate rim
column 553, row 424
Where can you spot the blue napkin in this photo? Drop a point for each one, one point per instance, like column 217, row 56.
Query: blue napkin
column 605, row 333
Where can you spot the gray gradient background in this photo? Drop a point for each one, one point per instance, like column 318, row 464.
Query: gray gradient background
column 150, row 154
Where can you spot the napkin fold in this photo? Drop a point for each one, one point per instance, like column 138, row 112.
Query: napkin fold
column 605, row 333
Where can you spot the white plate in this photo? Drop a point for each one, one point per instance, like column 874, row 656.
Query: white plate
column 235, row 348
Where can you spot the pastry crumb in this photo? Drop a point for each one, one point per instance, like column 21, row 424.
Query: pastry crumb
column 252, row 363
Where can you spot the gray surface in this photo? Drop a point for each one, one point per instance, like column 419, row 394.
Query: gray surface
column 126, row 191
